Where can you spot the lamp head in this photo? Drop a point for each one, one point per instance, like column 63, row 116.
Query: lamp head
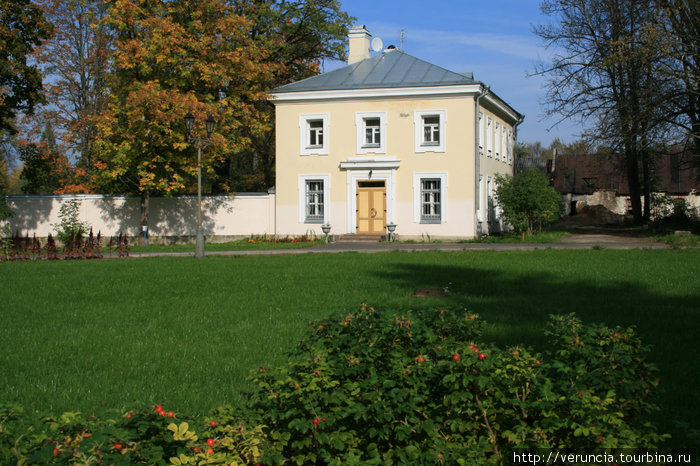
column 189, row 121
column 210, row 124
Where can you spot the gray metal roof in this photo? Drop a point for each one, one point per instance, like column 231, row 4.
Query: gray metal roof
column 392, row 68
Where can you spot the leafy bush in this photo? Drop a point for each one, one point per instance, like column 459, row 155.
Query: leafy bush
column 70, row 229
column 135, row 437
column 422, row 387
column 670, row 213
column 527, row 200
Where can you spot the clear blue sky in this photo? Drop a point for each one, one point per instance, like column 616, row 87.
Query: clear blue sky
column 493, row 39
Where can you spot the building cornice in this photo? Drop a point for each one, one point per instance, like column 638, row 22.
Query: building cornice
column 463, row 90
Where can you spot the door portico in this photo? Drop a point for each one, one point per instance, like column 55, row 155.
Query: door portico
column 363, row 170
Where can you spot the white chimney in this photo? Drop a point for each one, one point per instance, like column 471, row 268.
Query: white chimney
column 359, row 44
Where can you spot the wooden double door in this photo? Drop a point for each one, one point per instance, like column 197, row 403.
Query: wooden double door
column 371, row 207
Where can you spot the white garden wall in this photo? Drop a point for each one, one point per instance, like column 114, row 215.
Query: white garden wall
column 620, row 204
column 223, row 217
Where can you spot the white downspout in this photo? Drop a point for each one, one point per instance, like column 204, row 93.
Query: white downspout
column 477, row 159
column 515, row 137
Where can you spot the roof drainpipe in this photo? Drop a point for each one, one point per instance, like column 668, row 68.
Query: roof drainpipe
column 477, row 156
column 515, row 136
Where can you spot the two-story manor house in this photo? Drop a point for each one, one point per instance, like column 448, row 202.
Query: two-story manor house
column 390, row 139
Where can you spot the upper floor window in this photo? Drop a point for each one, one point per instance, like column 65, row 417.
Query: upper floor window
column 430, row 130
column 498, row 141
column 481, row 133
column 313, row 134
column 489, row 137
column 315, row 129
column 371, row 132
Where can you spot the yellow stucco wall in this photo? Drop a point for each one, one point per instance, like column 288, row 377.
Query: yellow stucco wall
column 457, row 161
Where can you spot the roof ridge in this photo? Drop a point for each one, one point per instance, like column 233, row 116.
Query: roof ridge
column 391, row 68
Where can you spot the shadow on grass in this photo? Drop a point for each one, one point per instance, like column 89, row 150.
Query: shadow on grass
column 515, row 307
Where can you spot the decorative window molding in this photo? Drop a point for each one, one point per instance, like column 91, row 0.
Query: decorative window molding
column 314, row 134
column 371, row 132
column 430, row 130
column 314, row 198
column 430, row 197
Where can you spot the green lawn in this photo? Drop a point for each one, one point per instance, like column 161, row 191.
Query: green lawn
column 89, row 335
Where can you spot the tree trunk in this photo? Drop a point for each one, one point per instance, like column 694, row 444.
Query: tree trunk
column 144, row 215
column 632, row 165
column 647, row 181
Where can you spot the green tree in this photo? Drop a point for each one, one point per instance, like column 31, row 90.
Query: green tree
column 45, row 169
column 171, row 58
column 22, row 28
column 204, row 57
column 527, row 200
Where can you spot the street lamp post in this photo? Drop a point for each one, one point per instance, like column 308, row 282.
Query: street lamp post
column 210, row 124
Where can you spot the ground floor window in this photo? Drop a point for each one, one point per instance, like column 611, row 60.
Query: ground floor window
column 314, row 198
column 430, row 200
column 430, row 197
column 314, row 201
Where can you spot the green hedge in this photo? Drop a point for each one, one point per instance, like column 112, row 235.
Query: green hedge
column 385, row 387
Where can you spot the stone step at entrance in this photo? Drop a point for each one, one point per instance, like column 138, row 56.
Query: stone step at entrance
column 360, row 238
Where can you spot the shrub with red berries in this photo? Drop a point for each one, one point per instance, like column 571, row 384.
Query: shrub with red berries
column 423, row 386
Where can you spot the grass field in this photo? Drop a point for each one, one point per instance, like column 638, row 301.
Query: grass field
column 90, row 335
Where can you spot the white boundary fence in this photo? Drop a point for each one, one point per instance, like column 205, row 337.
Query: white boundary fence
column 224, row 217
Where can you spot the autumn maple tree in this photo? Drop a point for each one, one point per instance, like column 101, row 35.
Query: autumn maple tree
column 120, row 75
column 171, row 58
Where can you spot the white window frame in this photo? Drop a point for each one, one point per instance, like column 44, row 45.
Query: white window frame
column 302, row 180
column 481, row 133
column 305, row 148
column 499, row 148
column 489, row 137
column 504, row 143
column 362, row 146
column 420, row 144
column 418, row 199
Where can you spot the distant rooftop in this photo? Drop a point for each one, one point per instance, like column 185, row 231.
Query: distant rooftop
column 390, row 69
